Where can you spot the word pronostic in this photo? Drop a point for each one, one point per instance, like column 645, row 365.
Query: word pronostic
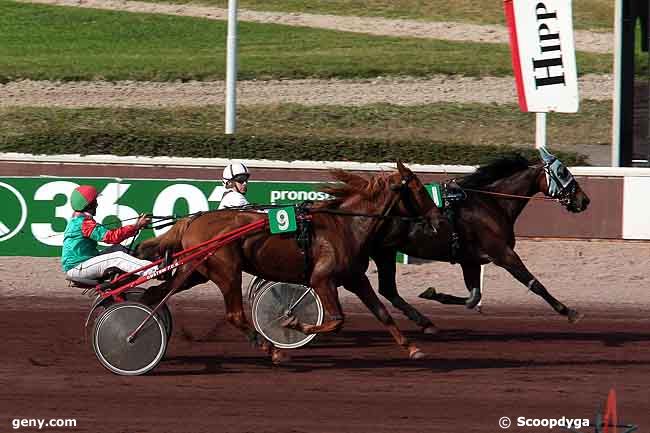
column 298, row 195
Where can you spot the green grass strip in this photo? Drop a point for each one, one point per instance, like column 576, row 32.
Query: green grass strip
column 63, row 43
column 588, row 14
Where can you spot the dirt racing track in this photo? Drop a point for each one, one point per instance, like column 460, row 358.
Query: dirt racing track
column 516, row 359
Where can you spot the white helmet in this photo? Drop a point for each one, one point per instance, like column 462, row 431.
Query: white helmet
column 234, row 170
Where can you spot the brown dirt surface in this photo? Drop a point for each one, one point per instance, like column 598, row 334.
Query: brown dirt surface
column 398, row 91
column 517, row 359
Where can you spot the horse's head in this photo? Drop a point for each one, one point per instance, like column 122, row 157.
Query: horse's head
column 414, row 201
column 560, row 184
column 399, row 194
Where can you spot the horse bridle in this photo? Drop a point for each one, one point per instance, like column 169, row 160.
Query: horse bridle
column 564, row 193
column 399, row 189
column 402, row 190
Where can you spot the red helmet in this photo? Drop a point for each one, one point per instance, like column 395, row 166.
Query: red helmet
column 82, row 196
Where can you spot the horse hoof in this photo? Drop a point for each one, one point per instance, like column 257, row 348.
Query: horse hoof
column 417, row 354
column 278, row 357
column 266, row 347
column 430, row 330
column 474, row 299
column 429, row 293
column 575, row 316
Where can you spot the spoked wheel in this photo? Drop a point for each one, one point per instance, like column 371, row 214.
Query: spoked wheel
column 111, row 331
column 254, row 286
column 271, row 307
column 165, row 314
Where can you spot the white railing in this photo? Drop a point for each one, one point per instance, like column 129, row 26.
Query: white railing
column 262, row 163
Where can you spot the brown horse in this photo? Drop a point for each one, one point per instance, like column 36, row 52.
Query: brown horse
column 343, row 230
column 494, row 196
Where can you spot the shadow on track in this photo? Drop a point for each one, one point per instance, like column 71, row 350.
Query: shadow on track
column 375, row 338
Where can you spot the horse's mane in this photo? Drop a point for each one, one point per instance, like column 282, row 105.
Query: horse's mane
column 352, row 184
column 499, row 169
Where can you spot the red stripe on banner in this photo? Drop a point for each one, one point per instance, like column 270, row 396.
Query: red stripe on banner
column 514, row 47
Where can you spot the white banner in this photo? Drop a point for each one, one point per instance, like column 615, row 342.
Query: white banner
column 543, row 54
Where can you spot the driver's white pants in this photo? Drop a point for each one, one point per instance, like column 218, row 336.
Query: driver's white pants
column 95, row 268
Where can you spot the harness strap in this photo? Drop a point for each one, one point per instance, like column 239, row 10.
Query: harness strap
column 501, row 194
column 304, row 237
column 450, row 213
column 366, row 215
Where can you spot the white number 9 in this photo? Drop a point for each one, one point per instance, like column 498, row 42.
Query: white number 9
column 282, row 217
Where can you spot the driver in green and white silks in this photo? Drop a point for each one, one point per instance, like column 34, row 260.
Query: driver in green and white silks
column 235, row 180
column 80, row 257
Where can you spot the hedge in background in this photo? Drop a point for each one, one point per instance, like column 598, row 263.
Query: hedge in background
column 284, row 148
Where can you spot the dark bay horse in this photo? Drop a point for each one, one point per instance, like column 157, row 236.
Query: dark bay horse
column 484, row 221
column 343, row 230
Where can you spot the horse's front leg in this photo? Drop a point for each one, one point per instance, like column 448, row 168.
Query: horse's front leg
column 385, row 261
column 511, row 262
column 328, row 294
column 361, row 287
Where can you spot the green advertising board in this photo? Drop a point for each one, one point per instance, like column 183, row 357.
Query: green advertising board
column 34, row 211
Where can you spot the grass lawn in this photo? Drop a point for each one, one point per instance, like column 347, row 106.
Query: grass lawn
column 63, row 43
column 588, row 14
column 474, row 124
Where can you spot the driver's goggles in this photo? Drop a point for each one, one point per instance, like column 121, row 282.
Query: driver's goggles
column 241, row 178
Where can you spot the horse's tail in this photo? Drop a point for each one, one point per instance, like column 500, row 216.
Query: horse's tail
column 154, row 248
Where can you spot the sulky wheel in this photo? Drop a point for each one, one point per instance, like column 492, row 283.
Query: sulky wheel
column 254, row 286
column 165, row 314
column 120, row 356
column 270, row 307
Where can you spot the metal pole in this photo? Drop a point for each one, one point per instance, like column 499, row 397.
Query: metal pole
column 540, row 130
column 231, row 68
column 618, row 77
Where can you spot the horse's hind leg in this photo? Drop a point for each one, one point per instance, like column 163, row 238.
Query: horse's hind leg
column 183, row 280
column 230, row 286
column 433, row 295
column 385, row 262
column 511, row 262
column 472, row 277
column 362, row 288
